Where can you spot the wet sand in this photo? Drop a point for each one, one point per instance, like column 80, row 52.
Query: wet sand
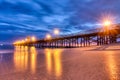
column 89, row 63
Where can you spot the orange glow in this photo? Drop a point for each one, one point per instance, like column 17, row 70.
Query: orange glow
column 33, row 38
column 56, row 31
column 48, row 36
column 33, row 59
column 22, row 41
column 21, row 58
column 26, row 39
column 107, row 20
column 57, row 61
column 53, row 61
column 48, row 55
column 107, row 23
column 112, row 67
column 17, row 42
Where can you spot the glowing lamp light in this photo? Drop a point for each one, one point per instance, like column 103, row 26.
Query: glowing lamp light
column 18, row 42
column 107, row 23
column 22, row 41
column 15, row 42
column 56, row 31
column 48, row 36
column 26, row 39
column 33, row 38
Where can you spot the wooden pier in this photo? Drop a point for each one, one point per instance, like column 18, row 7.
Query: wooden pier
column 77, row 40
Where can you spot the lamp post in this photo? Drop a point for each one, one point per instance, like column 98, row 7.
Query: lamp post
column 33, row 38
column 48, row 36
column 107, row 24
column 56, row 31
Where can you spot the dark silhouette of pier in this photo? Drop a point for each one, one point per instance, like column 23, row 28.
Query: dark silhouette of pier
column 96, row 37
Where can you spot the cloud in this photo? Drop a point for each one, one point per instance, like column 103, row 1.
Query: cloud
column 19, row 18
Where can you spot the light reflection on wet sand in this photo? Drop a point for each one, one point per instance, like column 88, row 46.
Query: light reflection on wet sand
column 53, row 61
column 112, row 65
column 29, row 63
column 33, row 59
column 48, row 55
column 22, row 56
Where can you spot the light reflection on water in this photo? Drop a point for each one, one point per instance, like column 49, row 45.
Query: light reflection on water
column 22, row 57
column 53, row 61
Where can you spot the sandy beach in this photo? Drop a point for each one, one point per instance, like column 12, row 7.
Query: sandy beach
column 86, row 63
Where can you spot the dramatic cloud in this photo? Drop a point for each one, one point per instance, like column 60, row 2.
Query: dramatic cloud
column 19, row 18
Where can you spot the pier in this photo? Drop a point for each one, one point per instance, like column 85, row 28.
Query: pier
column 96, row 37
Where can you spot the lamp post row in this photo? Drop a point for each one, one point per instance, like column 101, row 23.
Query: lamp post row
column 56, row 32
column 33, row 38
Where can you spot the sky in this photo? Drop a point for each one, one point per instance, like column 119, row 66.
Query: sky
column 21, row 18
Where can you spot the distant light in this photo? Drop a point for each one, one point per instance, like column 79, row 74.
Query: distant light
column 56, row 31
column 22, row 41
column 48, row 36
column 26, row 39
column 17, row 42
column 33, row 38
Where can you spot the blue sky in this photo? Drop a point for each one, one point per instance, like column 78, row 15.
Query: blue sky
column 19, row 18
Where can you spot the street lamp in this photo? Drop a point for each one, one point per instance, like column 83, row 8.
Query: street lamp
column 107, row 23
column 22, row 41
column 26, row 40
column 33, row 38
column 48, row 36
column 56, row 31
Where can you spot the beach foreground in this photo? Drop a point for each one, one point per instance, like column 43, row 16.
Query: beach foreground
column 89, row 63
